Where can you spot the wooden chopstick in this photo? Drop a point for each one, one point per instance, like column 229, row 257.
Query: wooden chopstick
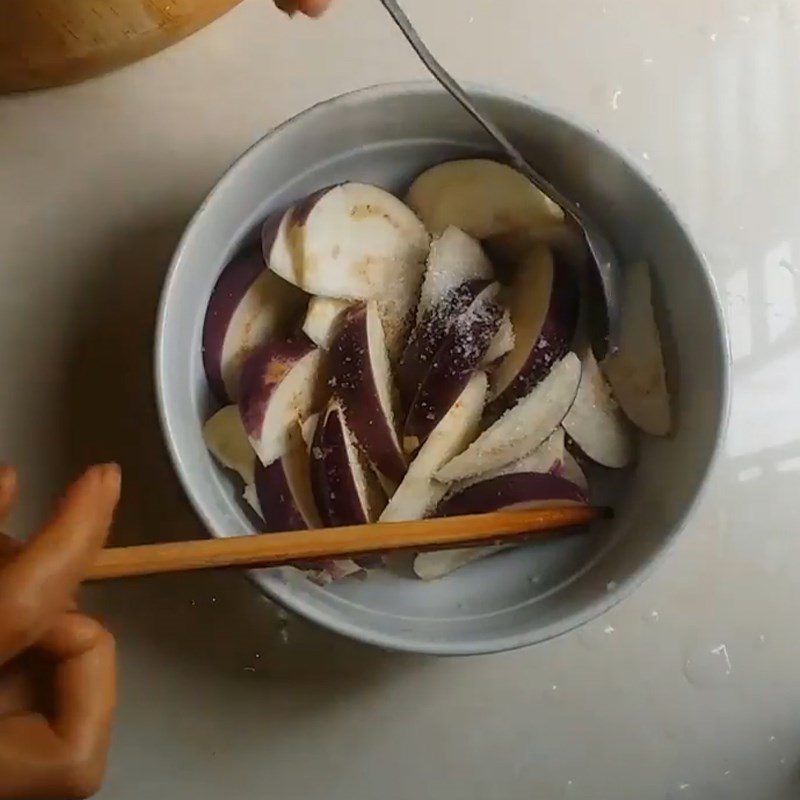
column 294, row 547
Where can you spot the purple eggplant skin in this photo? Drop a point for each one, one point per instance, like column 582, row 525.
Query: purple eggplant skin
column 354, row 383
column 232, row 285
column 302, row 210
column 552, row 343
column 298, row 216
column 319, row 477
column 426, row 338
column 261, row 375
column 459, row 355
column 332, row 480
column 269, row 230
column 503, row 491
column 280, row 513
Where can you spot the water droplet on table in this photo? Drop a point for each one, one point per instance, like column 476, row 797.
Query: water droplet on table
column 681, row 791
column 594, row 636
column 788, row 266
column 708, row 665
column 684, row 790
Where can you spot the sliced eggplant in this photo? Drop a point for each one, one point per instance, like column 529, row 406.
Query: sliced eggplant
column 483, row 198
column 250, row 496
column 322, row 317
column 344, row 487
column 226, row 439
column 636, row 371
column 505, row 492
column 439, row 563
column 333, row 570
column 396, row 312
column 544, row 302
column 284, row 489
column 595, row 422
column 249, row 305
column 523, row 428
column 547, row 457
column 419, row 492
column 361, row 378
column 572, row 471
column 281, row 383
column 308, row 428
column 349, row 241
column 454, row 259
column 512, row 491
column 427, row 336
column 459, row 355
column 501, row 344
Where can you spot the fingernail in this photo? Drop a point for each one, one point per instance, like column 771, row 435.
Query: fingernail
column 111, row 474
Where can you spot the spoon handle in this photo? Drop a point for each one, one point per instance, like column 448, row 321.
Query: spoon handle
column 602, row 253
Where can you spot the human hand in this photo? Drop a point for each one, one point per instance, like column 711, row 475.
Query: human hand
column 311, row 8
column 57, row 667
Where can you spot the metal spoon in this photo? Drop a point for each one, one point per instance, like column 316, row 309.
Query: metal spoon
column 604, row 259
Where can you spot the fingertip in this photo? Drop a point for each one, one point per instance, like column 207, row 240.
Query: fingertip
column 112, row 476
column 88, row 503
column 314, row 8
column 73, row 634
column 106, row 477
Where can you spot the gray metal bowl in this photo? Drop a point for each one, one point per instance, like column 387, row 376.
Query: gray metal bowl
column 386, row 135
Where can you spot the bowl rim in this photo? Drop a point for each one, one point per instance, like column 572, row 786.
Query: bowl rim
column 407, row 642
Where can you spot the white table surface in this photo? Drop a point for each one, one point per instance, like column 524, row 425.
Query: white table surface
column 689, row 689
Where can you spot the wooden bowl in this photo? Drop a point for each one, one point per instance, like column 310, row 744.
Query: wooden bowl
column 55, row 42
